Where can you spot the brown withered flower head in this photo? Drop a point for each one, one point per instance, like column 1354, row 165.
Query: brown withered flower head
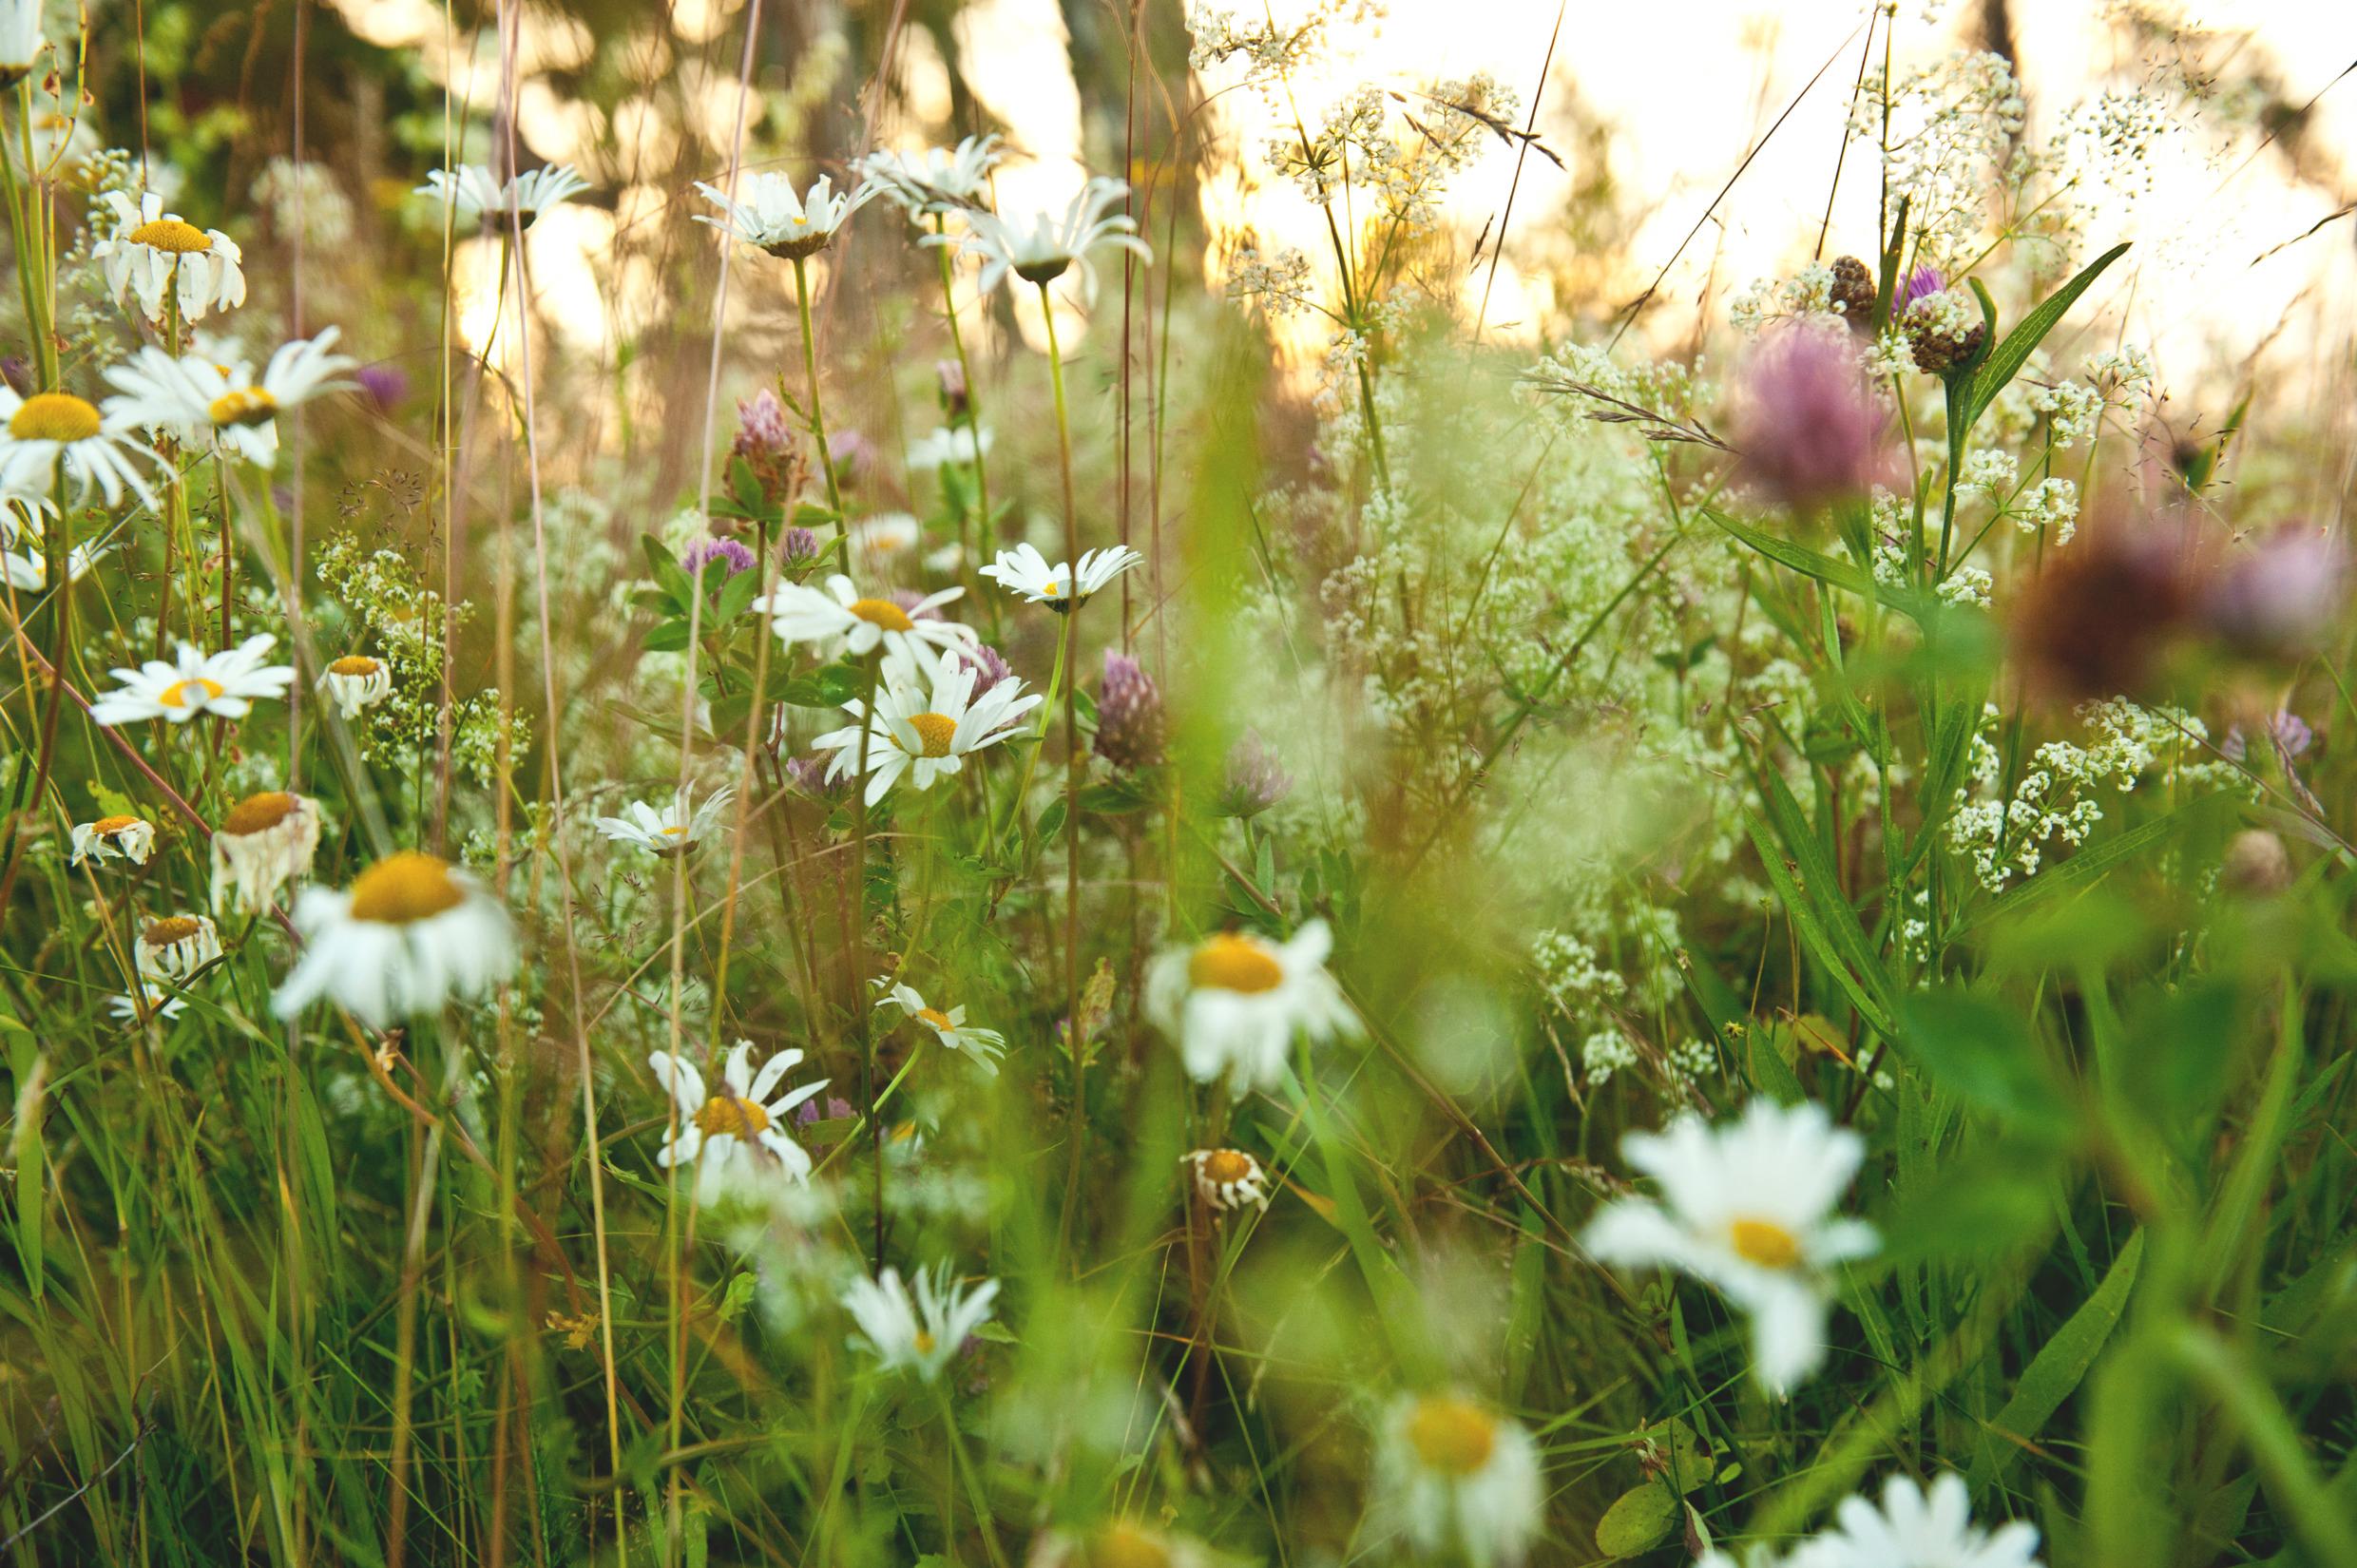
column 2101, row 616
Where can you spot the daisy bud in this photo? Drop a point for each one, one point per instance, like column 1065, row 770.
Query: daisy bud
column 1129, row 714
column 1810, row 431
column 1254, row 781
column 1855, row 293
column 2281, row 598
column 2255, row 865
column 951, row 376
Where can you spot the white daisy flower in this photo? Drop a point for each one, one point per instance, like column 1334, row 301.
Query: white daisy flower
column 131, row 838
column 412, row 933
column 961, row 444
column 1119, row 1544
column 261, row 844
column 175, row 947
column 1920, row 1528
column 355, row 681
column 1235, row 1000
column 876, row 542
column 935, row 180
column 28, row 570
column 151, row 251
column 918, row 1333
column 1039, row 249
column 1026, row 571
column 1749, row 1209
column 1227, row 1179
column 470, row 191
column 770, row 214
column 736, row 1133
column 39, row 433
column 1456, row 1478
column 20, row 40
column 213, row 407
column 982, row 1046
column 161, row 1005
column 667, row 832
column 224, row 683
column 924, row 725
column 836, row 620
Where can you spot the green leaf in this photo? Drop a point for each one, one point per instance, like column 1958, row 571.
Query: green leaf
column 2082, row 869
column 2057, row 1371
column 1979, row 1050
column 1637, row 1522
column 2005, row 360
column 1824, row 568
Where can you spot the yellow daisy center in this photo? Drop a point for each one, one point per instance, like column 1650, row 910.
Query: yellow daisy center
column 54, row 416
column 1125, row 1547
column 924, row 1342
column 188, row 692
column 355, row 664
column 727, row 1114
column 171, row 234
column 936, row 1017
column 170, row 930
column 1054, row 588
column 245, row 405
column 1231, row 962
column 882, row 612
column 1764, row 1242
column 259, row 813
column 1227, row 1165
column 106, row 827
column 1452, row 1436
column 404, row 887
column 936, row 731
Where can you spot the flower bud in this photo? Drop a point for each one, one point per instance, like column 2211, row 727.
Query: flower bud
column 1855, row 293
column 2255, row 865
column 1129, row 714
column 1254, row 781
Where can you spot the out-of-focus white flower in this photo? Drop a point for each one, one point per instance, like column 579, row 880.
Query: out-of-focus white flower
column 879, row 540
column 175, row 947
column 470, row 192
column 215, row 407
column 737, row 1133
column 151, row 252
column 1041, row 248
column 28, row 570
column 39, row 433
column 1749, row 1208
column 1119, row 1544
column 962, row 443
column 837, row 619
column 355, row 681
column 769, row 213
column 261, row 844
column 1915, row 1527
column 224, row 683
column 20, row 39
column 937, row 180
column 981, row 1047
column 918, row 1333
column 130, row 838
column 161, row 1003
column 1227, row 1179
column 667, row 832
column 1026, row 571
column 1455, row 1477
column 927, row 723
column 1235, row 1000
column 412, row 933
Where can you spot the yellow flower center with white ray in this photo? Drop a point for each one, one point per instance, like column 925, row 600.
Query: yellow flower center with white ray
column 259, row 814
column 674, row 830
column 924, row 1342
column 106, row 827
column 1125, row 1547
column 404, row 888
column 936, row 1017
column 171, row 236
column 933, row 732
column 356, row 665
column 1453, row 1436
column 54, row 416
column 882, row 612
column 245, row 405
column 188, row 692
column 1764, row 1242
column 727, row 1114
column 170, row 931
column 1231, row 962
column 1224, row 1166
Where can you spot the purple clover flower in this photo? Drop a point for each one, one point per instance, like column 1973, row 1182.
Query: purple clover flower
column 705, row 551
column 1254, row 780
column 1129, row 714
column 1810, row 429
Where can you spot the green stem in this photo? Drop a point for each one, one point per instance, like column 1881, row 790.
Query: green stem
column 819, row 416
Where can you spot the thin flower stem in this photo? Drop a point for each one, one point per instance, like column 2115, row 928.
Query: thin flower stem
column 855, row 943
column 819, row 415
column 965, row 370
column 1068, row 657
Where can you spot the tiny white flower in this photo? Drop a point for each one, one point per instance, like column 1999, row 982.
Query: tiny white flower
column 981, row 1047
column 767, row 212
column 737, row 1133
column 667, row 832
column 1455, row 1477
column 964, row 445
column 261, row 844
column 1026, row 571
column 411, row 933
column 355, row 681
column 1235, row 1000
column 470, row 192
column 151, row 253
column 917, row 1333
column 935, row 180
column 224, row 683
column 1227, row 1179
column 926, row 723
column 28, row 570
column 837, row 619
column 175, row 947
column 37, row 434
column 215, row 407
column 1749, row 1209
column 130, row 838
column 1041, row 249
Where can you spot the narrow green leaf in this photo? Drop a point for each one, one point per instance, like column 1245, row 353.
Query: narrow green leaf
column 2005, row 360
column 2054, row 1374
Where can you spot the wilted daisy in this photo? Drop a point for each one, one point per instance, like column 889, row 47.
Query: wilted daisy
column 213, row 406
column 981, row 1047
column 935, row 180
column 151, row 251
column 38, row 433
column 963, row 444
column 159, row 1004
column 769, row 213
column 1454, row 1476
column 1920, row 1528
column 737, row 1132
column 412, row 933
column 1235, row 1000
column 264, row 842
column 119, row 837
column 224, row 683
column 355, row 681
column 1026, row 571
column 1227, row 1179
column 20, row 39
column 670, row 832
column 28, row 570
column 175, row 947
column 924, row 725
column 470, row 191
column 917, row 1333
column 1749, row 1208
column 1041, row 248
column 837, row 619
